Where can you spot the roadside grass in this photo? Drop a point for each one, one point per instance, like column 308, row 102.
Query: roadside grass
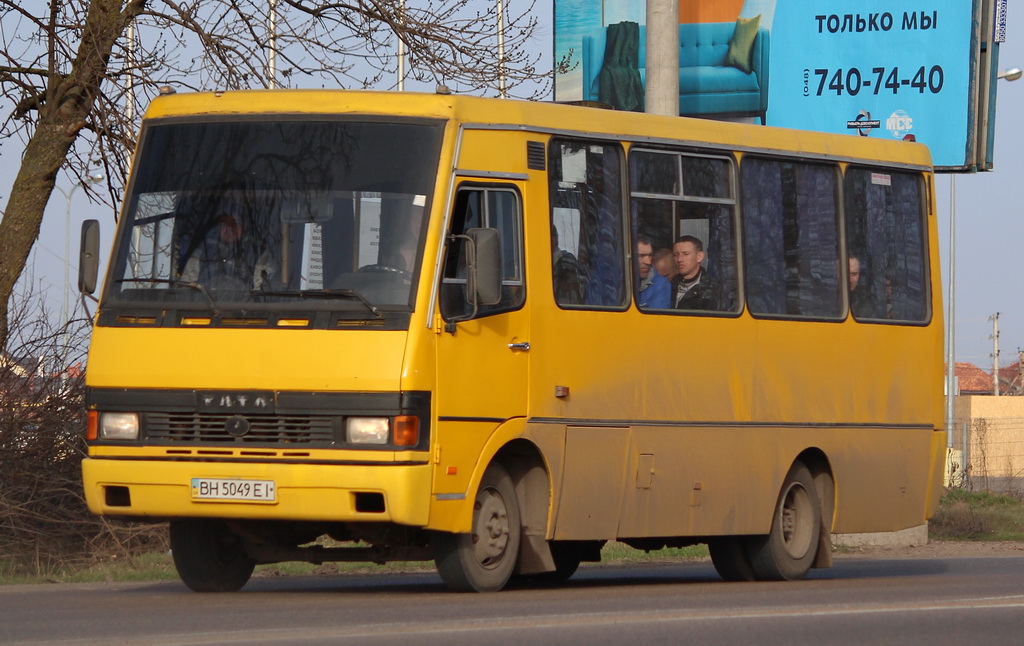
column 978, row 516
column 615, row 552
column 962, row 516
column 151, row 566
column 159, row 566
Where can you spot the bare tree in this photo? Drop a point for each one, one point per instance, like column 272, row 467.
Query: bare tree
column 75, row 73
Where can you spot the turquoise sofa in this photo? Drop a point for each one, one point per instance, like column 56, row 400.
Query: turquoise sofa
column 707, row 86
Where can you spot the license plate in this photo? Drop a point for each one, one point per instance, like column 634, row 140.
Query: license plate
column 231, row 489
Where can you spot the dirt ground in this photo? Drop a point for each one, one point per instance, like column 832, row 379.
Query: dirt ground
column 936, row 549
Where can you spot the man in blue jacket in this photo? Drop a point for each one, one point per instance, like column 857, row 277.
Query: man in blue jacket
column 655, row 291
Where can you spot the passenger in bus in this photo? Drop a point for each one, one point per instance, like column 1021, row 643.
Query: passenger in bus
column 570, row 279
column 862, row 301
column 224, row 258
column 664, row 263
column 654, row 290
column 692, row 288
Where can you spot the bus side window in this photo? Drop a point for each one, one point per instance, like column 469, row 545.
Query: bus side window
column 791, row 238
column 679, row 200
column 587, row 241
column 885, row 232
column 493, row 208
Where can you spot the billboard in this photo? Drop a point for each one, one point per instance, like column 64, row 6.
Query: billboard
column 866, row 68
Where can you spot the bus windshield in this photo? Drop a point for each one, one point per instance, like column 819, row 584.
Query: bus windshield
column 287, row 215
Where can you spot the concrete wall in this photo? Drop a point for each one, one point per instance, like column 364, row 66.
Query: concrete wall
column 995, row 431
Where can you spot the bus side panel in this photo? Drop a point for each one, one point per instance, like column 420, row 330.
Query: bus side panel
column 877, row 488
column 725, row 481
column 593, row 483
column 466, row 449
column 696, row 481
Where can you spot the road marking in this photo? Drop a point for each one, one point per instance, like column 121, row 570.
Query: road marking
column 535, row 622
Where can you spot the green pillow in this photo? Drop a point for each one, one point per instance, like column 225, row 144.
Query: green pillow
column 742, row 43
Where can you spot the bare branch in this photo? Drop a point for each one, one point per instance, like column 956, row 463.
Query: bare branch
column 68, row 73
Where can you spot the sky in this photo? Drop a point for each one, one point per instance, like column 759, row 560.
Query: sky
column 990, row 226
column 989, row 220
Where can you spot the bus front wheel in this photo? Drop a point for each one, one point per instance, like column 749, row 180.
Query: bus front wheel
column 483, row 560
column 788, row 552
column 208, row 556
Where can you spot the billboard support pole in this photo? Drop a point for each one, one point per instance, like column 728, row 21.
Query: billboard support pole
column 661, row 96
column 985, row 70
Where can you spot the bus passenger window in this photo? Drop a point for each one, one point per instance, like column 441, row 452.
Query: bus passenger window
column 885, row 236
column 484, row 207
column 587, row 241
column 791, row 238
column 682, row 205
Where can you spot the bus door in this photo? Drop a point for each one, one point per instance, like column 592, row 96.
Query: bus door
column 483, row 350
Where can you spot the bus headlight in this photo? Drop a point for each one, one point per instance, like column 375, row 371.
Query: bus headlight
column 367, row 430
column 119, row 426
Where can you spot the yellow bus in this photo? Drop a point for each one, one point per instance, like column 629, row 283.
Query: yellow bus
column 373, row 327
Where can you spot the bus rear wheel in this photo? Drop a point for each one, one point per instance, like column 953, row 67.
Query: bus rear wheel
column 484, row 559
column 209, row 557
column 788, row 552
column 729, row 556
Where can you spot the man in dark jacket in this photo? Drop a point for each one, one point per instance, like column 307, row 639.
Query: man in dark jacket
column 862, row 301
column 692, row 288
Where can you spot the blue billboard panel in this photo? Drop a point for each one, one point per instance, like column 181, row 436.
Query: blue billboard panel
column 867, row 68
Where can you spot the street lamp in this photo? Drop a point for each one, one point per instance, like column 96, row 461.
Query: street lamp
column 1011, row 74
column 90, row 179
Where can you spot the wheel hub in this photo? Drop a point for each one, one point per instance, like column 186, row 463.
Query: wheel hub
column 490, row 529
column 796, row 519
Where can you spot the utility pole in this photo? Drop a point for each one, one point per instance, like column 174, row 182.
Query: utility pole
column 401, row 49
column 272, row 45
column 501, row 49
column 661, row 96
column 951, row 317
column 995, row 353
column 1018, row 378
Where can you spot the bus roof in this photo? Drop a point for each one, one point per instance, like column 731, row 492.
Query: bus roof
column 533, row 116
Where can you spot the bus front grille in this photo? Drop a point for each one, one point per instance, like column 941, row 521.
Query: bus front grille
column 220, row 429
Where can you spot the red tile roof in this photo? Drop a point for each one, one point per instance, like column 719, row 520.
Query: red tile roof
column 972, row 379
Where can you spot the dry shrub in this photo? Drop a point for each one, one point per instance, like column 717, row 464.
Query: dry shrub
column 958, row 520
column 45, row 526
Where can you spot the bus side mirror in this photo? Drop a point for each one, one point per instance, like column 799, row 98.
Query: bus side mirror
column 89, row 257
column 485, row 273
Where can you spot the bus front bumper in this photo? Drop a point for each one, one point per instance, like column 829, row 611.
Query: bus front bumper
column 397, row 493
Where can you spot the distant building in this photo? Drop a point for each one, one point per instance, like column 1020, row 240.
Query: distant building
column 972, row 380
column 7, row 364
column 988, row 431
column 1011, row 379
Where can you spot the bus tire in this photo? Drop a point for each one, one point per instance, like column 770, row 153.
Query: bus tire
column 729, row 556
column 208, row 556
column 787, row 553
column 484, row 559
column 567, row 556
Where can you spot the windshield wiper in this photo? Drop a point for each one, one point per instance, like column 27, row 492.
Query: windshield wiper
column 174, row 283
column 325, row 293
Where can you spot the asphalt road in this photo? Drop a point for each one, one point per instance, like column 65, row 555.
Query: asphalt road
column 874, row 602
